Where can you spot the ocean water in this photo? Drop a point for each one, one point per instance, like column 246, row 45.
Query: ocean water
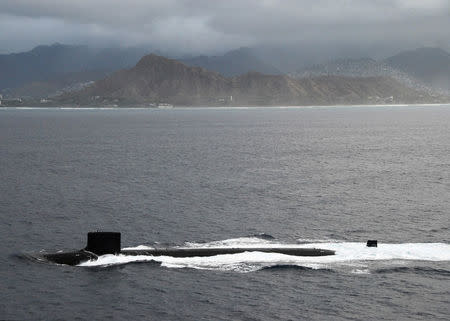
column 313, row 177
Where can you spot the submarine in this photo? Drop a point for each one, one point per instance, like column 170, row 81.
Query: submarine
column 101, row 243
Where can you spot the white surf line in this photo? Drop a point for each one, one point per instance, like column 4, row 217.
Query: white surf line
column 231, row 108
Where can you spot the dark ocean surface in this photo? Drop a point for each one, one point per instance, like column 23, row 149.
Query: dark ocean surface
column 334, row 176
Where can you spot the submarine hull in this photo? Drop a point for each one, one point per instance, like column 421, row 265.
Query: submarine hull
column 100, row 243
column 202, row 252
column 70, row 258
column 77, row 257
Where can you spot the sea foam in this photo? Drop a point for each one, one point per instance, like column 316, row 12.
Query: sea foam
column 354, row 256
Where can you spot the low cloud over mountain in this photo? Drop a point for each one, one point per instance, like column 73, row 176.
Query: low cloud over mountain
column 208, row 27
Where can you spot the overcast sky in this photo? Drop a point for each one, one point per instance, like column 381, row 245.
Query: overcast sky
column 213, row 26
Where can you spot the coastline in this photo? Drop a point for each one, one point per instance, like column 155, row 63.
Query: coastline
column 222, row 108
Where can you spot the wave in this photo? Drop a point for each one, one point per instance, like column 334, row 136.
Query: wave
column 425, row 270
column 283, row 267
column 263, row 236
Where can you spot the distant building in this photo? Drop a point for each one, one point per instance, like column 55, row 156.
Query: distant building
column 224, row 100
column 165, row 106
column 11, row 102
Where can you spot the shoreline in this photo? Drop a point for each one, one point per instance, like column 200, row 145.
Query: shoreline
column 221, row 108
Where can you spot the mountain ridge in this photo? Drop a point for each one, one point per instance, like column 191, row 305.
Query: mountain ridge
column 429, row 64
column 50, row 64
column 155, row 79
column 232, row 63
column 48, row 70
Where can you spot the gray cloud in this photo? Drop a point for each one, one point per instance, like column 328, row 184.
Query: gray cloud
column 194, row 26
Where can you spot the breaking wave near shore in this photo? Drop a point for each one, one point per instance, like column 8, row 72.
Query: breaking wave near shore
column 352, row 257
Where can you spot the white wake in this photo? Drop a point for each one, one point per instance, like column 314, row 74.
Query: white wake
column 352, row 256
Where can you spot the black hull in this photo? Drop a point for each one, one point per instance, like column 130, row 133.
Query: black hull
column 70, row 258
column 202, row 252
column 77, row 257
column 100, row 243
